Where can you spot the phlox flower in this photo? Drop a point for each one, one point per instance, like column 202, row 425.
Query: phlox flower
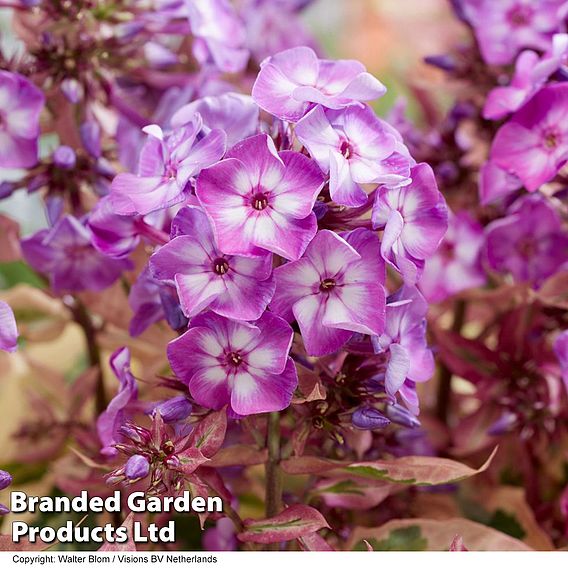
column 334, row 290
column 258, row 198
column 243, row 365
column 8, row 328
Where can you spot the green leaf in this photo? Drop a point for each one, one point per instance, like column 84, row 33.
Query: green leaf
column 408, row 539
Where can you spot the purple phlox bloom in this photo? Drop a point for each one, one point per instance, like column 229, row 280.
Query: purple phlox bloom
column 116, row 413
column 90, row 132
column 152, row 301
column 531, row 73
column 243, row 365
column 236, row 287
column 175, row 409
column 456, row 266
column 404, row 338
column 506, row 27
column 354, row 147
column 21, row 104
column 221, row 537
column 158, row 55
column 495, row 183
column 561, row 352
column 292, row 81
column 533, row 145
column 65, row 253
column 273, row 26
column 167, row 162
column 235, row 114
column 414, row 219
column 369, row 418
column 137, row 467
column 113, row 235
column 8, row 328
column 219, row 34
column 529, row 243
column 334, row 290
column 258, row 198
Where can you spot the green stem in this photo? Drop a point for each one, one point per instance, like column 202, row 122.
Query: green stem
column 445, row 376
column 273, row 472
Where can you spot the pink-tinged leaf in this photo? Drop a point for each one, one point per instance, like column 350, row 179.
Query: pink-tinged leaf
column 199, row 489
column 368, row 545
column 129, row 545
column 310, row 388
column 410, row 470
column 457, row 544
column 190, row 460
column 358, row 494
column 417, row 470
column 209, row 435
column 295, row 522
column 438, row 533
column 315, row 543
column 210, row 476
column 238, row 454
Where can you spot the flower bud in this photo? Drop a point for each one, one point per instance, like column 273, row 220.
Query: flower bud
column 175, row 409
column 64, row 157
column 4, row 510
column 5, row 479
column 136, row 434
column 368, row 418
column 73, row 90
column 90, row 132
column 402, row 416
column 137, row 467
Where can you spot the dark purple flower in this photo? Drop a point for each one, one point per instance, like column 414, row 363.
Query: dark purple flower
column 5, row 479
column 243, row 365
column 116, row 414
column 137, row 467
column 369, row 418
column 8, row 329
column 334, row 290
column 533, row 145
column 495, row 183
column 529, row 243
column 21, row 104
column 175, row 409
column 65, row 253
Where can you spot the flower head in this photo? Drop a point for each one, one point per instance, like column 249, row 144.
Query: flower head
column 232, row 286
column 5, row 481
column 504, row 28
column 258, row 198
column 533, row 145
column 355, row 147
column 334, row 290
column 456, row 266
column 66, row 254
column 21, row 104
column 167, row 162
column 414, row 219
column 292, row 81
column 245, row 366
column 529, row 242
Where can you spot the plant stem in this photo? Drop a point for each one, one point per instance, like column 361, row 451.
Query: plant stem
column 273, row 473
column 82, row 317
column 445, row 377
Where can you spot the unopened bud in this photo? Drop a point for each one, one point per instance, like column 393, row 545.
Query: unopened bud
column 137, row 467
column 368, row 418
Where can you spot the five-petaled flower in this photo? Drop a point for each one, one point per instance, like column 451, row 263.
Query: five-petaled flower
column 258, row 198
column 243, row 365
column 335, row 290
